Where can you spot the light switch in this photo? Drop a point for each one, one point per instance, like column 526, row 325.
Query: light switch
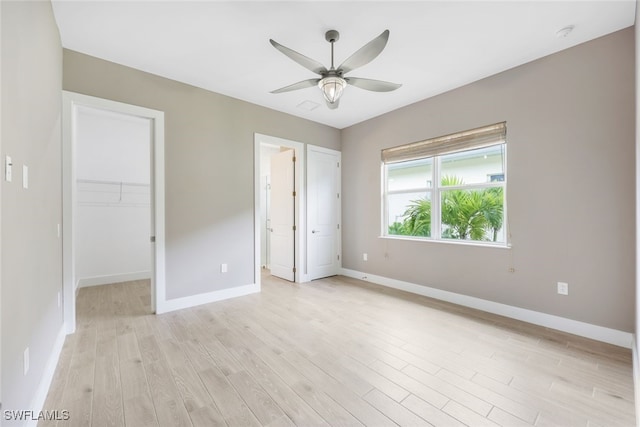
column 25, row 176
column 7, row 169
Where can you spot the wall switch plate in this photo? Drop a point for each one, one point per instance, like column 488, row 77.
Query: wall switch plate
column 563, row 288
column 8, row 175
column 25, row 360
column 25, row 176
column 365, row 257
column 223, row 268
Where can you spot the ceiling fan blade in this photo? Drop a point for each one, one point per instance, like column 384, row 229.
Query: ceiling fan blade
column 306, row 62
column 366, row 53
column 373, row 85
column 333, row 106
column 300, row 85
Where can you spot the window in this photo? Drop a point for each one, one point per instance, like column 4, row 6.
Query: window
column 448, row 188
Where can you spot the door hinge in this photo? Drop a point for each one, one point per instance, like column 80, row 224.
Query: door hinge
column 338, row 164
column 294, row 269
column 338, row 257
column 294, row 159
column 294, row 194
column 338, row 195
column 338, row 226
column 294, row 228
column 152, row 239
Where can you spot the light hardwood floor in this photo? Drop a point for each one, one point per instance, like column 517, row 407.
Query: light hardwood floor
column 334, row 352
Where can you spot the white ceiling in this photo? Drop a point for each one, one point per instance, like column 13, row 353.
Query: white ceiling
column 434, row 46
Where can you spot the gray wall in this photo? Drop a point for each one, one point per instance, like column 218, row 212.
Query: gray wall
column 209, row 151
column 31, row 251
column 570, row 124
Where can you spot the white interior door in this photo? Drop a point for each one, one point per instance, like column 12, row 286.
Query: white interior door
column 323, row 212
column 282, row 209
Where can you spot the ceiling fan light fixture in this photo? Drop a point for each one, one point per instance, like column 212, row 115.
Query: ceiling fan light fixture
column 332, row 88
column 331, row 81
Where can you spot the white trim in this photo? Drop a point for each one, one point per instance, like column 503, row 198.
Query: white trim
column 636, row 376
column 301, row 275
column 587, row 330
column 257, row 252
column 113, row 278
column 70, row 101
column 195, row 300
column 68, row 191
column 37, row 403
column 478, row 243
column 158, row 280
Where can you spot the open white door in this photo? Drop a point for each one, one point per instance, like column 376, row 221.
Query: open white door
column 282, row 241
column 323, row 212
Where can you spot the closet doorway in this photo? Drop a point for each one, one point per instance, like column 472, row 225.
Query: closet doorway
column 113, row 197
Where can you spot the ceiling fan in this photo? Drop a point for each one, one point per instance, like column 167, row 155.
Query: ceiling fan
column 333, row 81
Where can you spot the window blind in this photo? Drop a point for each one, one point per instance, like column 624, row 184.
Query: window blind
column 481, row 137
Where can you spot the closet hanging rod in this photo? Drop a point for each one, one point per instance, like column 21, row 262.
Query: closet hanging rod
column 94, row 181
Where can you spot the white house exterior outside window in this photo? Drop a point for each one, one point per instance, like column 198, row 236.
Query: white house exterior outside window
column 450, row 188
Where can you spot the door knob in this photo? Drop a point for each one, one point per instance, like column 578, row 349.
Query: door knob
column 315, row 231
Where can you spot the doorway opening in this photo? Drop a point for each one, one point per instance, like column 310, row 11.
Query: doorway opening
column 312, row 217
column 279, row 201
column 113, row 197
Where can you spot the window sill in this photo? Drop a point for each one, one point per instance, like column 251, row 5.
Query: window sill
column 450, row 242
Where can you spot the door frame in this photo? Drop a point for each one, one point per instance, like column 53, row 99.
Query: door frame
column 70, row 102
column 300, row 275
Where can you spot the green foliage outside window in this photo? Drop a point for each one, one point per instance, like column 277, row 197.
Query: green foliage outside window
column 466, row 214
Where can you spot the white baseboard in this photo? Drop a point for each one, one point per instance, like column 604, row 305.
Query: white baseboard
column 587, row 330
column 194, row 300
column 113, row 278
column 37, row 403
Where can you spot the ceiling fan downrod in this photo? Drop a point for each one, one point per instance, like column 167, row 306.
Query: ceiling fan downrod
column 332, row 36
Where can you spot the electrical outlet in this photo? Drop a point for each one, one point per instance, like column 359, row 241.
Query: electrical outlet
column 25, row 361
column 563, row 288
column 365, row 257
column 223, row 268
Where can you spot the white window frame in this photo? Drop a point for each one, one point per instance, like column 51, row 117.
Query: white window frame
column 435, row 192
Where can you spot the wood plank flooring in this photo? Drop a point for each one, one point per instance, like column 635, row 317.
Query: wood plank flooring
column 334, row 352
